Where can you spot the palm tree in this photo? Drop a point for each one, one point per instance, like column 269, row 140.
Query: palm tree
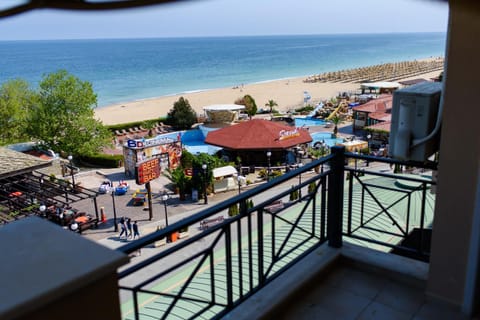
column 271, row 104
column 180, row 180
column 336, row 120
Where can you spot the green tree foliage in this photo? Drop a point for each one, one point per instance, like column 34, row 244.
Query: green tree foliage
column 271, row 104
column 249, row 103
column 180, row 180
column 233, row 210
column 187, row 159
column 182, row 116
column 63, row 117
column 149, row 125
column 293, row 194
column 336, row 120
column 16, row 98
column 311, row 187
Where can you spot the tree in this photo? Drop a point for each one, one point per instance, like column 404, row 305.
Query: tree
column 180, row 180
column 271, row 104
column 63, row 117
column 249, row 103
column 16, row 98
column 149, row 125
column 336, row 120
column 182, row 116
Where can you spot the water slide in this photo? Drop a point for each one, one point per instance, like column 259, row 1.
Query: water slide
column 314, row 111
column 340, row 105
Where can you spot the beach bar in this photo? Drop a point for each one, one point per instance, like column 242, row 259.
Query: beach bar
column 251, row 140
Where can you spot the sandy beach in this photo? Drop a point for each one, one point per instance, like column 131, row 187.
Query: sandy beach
column 287, row 93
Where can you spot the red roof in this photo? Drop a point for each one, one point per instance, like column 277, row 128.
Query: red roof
column 382, row 103
column 381, row 116
column 258, row 134
column 383, row 126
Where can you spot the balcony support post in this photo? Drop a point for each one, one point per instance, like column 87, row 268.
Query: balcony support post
column 335, row 197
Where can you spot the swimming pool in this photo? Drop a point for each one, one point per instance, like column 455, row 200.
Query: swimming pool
column 193, row 141
column 327, row 137
column 300, row 122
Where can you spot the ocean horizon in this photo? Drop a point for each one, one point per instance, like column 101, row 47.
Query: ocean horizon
column 125, row 70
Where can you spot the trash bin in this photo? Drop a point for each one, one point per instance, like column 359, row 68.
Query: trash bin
column 173, row 237
column 194, row 195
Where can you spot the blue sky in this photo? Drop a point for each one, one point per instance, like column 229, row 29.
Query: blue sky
column 232, row 17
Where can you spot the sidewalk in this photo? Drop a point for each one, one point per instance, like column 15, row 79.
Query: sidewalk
column 176, row 209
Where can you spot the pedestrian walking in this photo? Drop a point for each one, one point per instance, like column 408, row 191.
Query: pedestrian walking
column 135, row 230
column 123, row 227
column 129, row 228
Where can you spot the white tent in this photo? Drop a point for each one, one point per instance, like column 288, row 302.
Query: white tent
column 224, row 171
column 224, row 178
column 380, row 85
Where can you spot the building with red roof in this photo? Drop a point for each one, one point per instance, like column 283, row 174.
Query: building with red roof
column 251, row 140
column 373, row 112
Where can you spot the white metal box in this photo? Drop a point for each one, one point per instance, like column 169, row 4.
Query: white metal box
column 415, row 116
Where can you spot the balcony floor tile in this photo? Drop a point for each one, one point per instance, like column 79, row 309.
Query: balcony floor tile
column 379, row 311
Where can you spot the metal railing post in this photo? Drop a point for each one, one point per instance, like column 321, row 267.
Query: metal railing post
column 335, row 197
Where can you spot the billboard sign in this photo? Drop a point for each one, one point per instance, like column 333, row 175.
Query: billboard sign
column 147, row 171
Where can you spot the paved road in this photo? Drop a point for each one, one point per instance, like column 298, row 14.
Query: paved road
column 176, row 209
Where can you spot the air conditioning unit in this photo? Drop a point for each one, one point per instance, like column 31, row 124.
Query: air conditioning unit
column 416, row 119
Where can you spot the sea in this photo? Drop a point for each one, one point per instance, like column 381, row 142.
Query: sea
column 123, row 70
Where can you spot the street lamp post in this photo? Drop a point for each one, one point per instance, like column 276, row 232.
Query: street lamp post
column 71, row 171
column 300, row 165
column 42, row 209
column 115, row 226
column 239, row 180
column 269, row 154
column 164, row 199
column 369, row 137
column 204, row 167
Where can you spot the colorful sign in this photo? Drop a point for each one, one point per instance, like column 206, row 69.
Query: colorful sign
column 147, row 171
column 287, row 134
column 144, row 143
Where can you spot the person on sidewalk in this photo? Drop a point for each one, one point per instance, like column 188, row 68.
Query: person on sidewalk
column 135, row 230
column 129, row 228
column 123, row 227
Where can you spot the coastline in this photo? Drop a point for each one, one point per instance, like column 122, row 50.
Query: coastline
column 287, row 93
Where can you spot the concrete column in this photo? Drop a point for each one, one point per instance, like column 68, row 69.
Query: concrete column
column 452, row 264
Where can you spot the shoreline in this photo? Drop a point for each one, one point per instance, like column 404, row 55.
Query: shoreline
column 286, row 92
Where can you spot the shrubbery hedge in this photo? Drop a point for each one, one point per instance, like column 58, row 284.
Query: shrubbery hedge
column 103, row 160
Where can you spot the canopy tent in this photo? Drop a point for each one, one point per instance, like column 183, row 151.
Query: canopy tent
column 384, row 86
column 223, row 113
column 224, row 179
column 224, row 171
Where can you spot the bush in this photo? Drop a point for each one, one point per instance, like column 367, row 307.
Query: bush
column 250, row 204
column 233, row 210
column 311, row 187
column 262, row 173
column 275, row 173
column 128, row 125
column 293, row 194
column 307, row 108
column 103, row 160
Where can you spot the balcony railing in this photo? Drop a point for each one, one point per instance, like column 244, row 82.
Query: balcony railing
column 215, row 269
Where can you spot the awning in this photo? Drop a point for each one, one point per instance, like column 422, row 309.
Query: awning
column 224, row 171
